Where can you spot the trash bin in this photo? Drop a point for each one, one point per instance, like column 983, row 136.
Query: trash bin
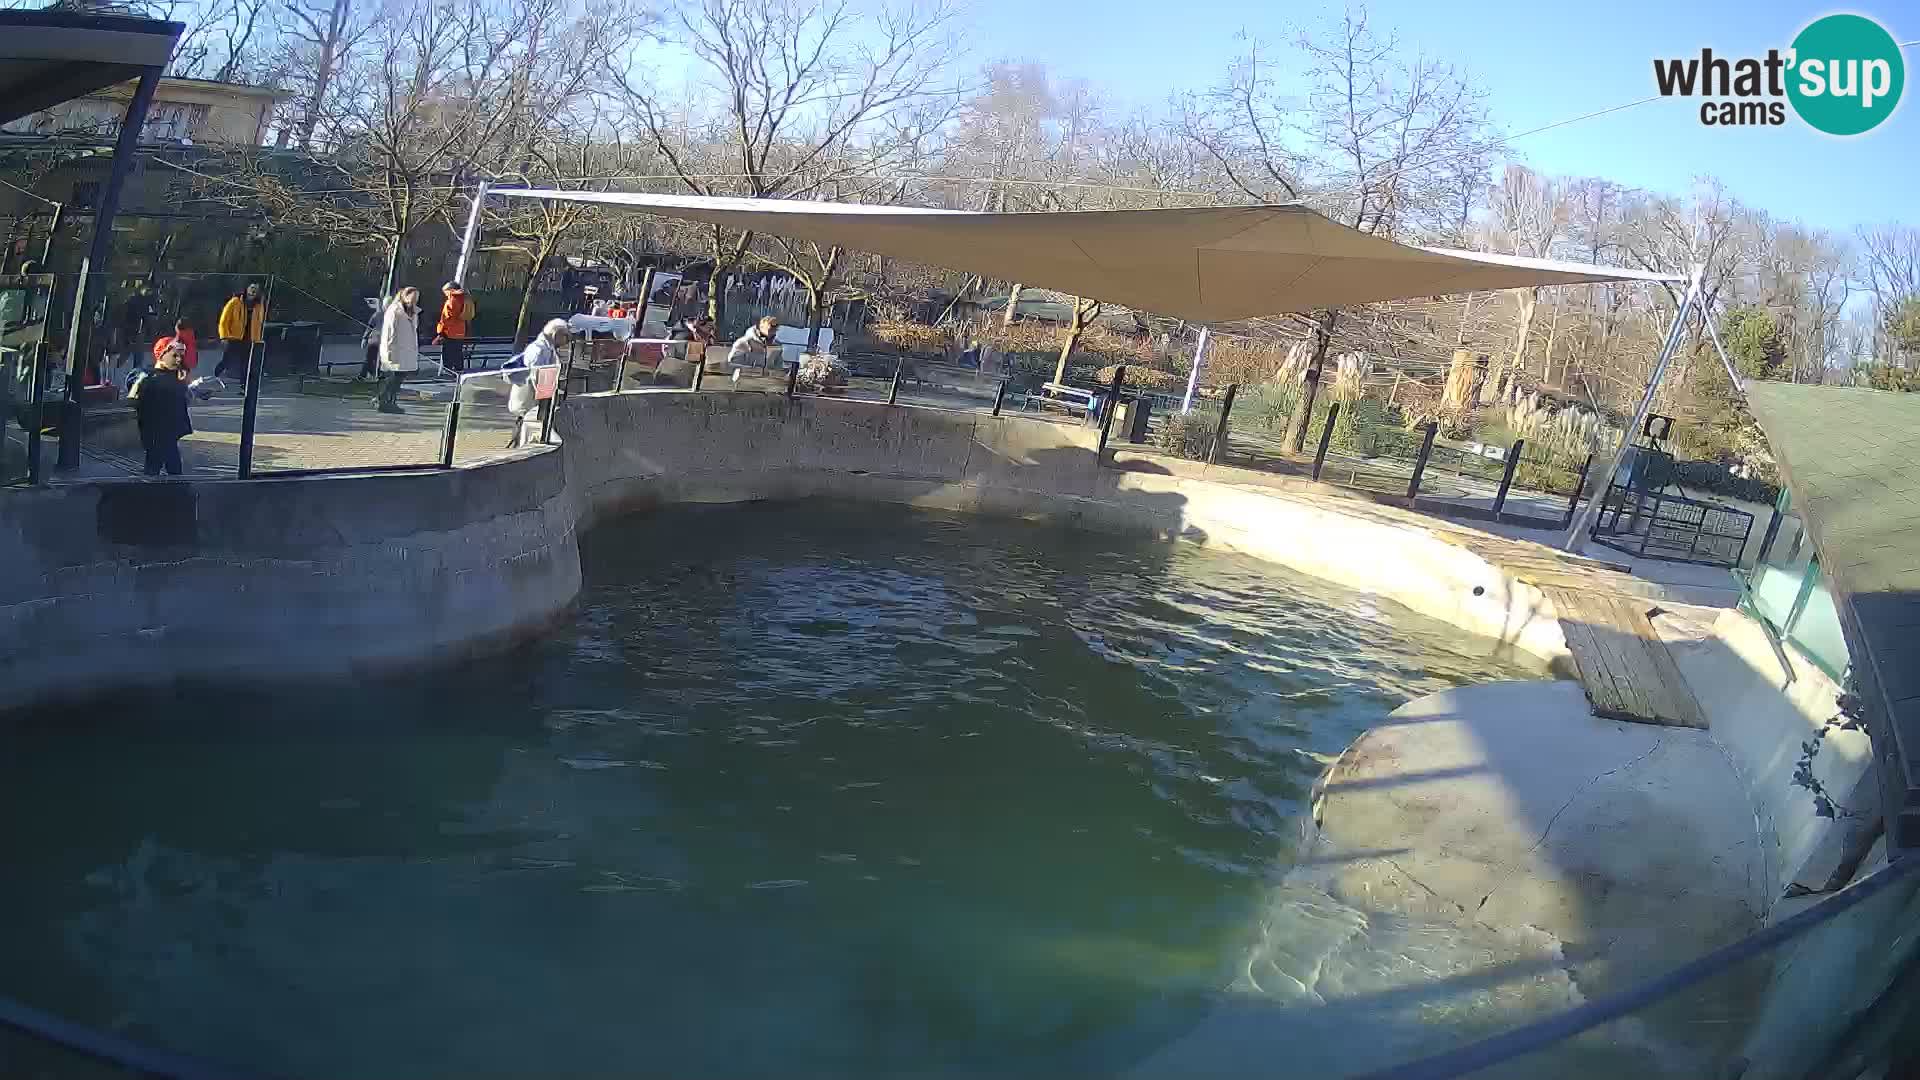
column 1135, row 418
column 292, row 348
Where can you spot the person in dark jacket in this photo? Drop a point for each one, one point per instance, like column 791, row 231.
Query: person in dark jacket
column 161, row 408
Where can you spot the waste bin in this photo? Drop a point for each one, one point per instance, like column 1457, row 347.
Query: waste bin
column 1134, row 419
column 292, row 348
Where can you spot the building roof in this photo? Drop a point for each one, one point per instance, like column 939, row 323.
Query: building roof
column 47, row 57
column 1851, row 459
column 1207, row 264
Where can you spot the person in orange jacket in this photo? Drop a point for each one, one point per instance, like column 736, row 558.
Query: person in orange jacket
column 243, row 324
column 456, row 312
column 182, row 333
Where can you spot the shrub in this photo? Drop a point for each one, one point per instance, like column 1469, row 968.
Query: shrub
column 1187, row 435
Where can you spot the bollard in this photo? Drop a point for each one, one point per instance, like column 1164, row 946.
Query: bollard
column 793, row 380
column 1106, row 416
column 1506, row 478
column 620, row 371
column 1326, row 436
column 893, row 390
column 250, row 413
column 450, row 431
column 1420, row 459
column 1573, row 501
column 699, row 367
column 1000, row 396
column 546, row 419
column 1220, row 429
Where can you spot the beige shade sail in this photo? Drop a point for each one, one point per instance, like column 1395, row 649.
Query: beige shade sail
column 1206, row 264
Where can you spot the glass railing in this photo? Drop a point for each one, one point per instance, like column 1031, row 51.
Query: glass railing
column 1788, row 591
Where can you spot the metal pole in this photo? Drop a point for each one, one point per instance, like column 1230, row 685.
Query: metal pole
column 699, row 365
column 451, row 431
column 1579, row 485
column 1193, row 377
column 1420, row 459
column 36, row 418
column 1000, row 396
column 1220, row 429
column 620, row 369
column 53, row 230
column 1506, row 478
column 250, row 412
column 473, row 233
column 1113, row 406
column 546, row 418
column 646, row 290
column 1326, row 436
column 124, row 147
column 893, row 391
column 1584, row 517
column 793, row 379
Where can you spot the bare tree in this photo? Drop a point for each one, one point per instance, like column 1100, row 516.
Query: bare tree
column 813, row 95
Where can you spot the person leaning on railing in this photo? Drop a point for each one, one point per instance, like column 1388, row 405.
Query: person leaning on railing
column 523, row 396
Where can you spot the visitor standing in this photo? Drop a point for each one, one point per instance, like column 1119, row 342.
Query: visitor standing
column 399, row 346
column 456, row 314
column 243, row 325
column 523, row 396
column 759, row 337
column 160, row 407
column 183, row 334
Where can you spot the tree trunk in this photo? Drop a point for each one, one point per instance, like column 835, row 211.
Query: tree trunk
column 393, row 269
column 1013, row 301
column 526, row 295
column 816, row 310
column 1295, row 437
column 1084, row 313
column 1529, row 300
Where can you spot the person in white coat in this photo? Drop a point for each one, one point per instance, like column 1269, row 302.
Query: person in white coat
column 523, row 397
column 399, row 346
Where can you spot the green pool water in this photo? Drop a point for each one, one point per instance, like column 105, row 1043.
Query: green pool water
column 798, row 790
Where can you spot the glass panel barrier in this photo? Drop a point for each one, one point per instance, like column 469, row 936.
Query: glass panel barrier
column 493, row 406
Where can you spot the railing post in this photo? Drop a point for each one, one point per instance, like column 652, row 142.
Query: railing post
column 793, row 380
column 250, row 412
column 1573, row 501
column 1326, row 436
column 451, row 431
column 893, row 390
column 1113, row 406
column 1506, row 478
column 546, row 417
column 620, row 370
column 1220, row 429
column 699, row 366
column 1000, row 396
column 1420, row 460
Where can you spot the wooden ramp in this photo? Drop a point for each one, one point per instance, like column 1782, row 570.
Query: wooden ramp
column 1624, row 667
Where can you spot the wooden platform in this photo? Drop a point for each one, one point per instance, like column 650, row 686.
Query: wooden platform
column 1625, row 668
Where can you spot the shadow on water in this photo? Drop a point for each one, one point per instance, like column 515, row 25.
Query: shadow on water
column 802, row 790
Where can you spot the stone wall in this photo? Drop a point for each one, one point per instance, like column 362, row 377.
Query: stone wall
column 114, row 584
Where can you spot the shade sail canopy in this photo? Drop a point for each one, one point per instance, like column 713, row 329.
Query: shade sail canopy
column 1208, row 264
column 47, row 57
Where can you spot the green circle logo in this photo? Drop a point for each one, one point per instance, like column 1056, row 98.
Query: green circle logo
column 1847, row 74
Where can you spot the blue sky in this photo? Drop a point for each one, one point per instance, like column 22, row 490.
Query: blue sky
column 1539, row 64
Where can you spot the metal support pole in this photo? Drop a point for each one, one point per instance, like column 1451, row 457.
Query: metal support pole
column 1420, row 459
column 36, row 415
column 451, row 431
column 1506, row 478
column 620, row 369
column 250, row 412
column 699, row 367
column 473, row 233
column 98, row 255
column 1579, row 485
column 793, row 380
column 546, row 418
column 1113, row 406
column 1584, row 517
column 1220, row 429
column 1326, row 436
column 1193, row 377
column 1000, row 396
column 893, row 390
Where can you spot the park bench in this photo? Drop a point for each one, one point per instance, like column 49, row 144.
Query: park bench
column 1071, row 399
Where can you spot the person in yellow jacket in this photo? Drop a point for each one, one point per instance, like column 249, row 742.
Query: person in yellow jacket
column 456, row 313
column 243, row 324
